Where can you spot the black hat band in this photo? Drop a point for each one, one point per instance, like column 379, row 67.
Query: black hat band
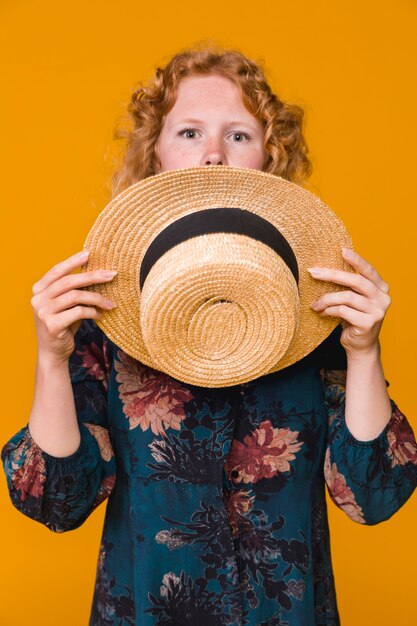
column 226, row 220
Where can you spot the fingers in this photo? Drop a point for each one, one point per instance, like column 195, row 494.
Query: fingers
column 74, row 298
column 56, row 326
column 361, row 310
column 59, row 296
column 360, row 320
column 337, row 298
column 59, row 279
column 77, row 281
column 364, row 268
column 356, row 282
column 61, row 269
column 353, row 300
column 59, row 303
column 58, row 290
column 366, row 281
column 360, row 283
column 364, row 315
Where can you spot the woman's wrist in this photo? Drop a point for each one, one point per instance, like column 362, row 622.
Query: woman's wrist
column 369, row 355
column 50, row 362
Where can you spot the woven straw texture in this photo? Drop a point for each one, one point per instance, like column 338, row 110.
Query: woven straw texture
column 219, row 309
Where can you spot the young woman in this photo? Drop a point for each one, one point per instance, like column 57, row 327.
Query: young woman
column 216, row 509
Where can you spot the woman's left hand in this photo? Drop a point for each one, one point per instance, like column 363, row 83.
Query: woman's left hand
column 363, row 306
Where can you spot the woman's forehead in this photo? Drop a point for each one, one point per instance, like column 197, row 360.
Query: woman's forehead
column 192, row 86
column 198, row 94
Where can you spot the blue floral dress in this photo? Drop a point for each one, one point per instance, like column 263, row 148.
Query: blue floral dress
column 216, row 511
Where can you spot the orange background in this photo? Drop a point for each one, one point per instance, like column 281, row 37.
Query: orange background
column 67, row 72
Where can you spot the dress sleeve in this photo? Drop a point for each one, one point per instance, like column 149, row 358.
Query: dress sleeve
column 369, row 480
column 61, row 492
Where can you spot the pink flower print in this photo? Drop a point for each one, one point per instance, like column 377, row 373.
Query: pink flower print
column 402, row 444
column 102, row 437
column 96, row 361
column 151, row 399
column 263, row 454
column 29, row 468
column 339, row 491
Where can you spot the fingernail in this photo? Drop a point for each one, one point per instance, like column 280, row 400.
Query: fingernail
column 315, row 271
column 84, row 254
column 348, row 252
column 314, row 305
column 110, row 304
column 109, row 273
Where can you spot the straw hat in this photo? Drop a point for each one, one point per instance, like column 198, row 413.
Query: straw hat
column 212, row 286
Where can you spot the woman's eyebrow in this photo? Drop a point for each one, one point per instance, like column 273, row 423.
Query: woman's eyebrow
column 189, row 120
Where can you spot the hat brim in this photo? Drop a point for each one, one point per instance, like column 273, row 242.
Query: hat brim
column 127, row 226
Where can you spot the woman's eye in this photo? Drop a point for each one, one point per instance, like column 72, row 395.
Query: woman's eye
column 240, row 137
column 189, row 133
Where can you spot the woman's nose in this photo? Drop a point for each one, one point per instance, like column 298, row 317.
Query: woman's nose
column 214, row 155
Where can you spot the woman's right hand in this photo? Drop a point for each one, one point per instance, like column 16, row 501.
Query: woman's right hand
column 59, row 305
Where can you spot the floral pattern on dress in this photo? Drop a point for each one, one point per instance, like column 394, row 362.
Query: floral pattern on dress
column 191, row 458
column 238, row 504
column 402, row 445
column 183, row 601
column 260, row 556
column 218, row 514
column 105, row 489
column 110, row 607
column 95, row 361
column 150, row 399
column 263, row 454
column 339, row 491
column 101, row 435
column 29, row 469
column 214, row 596
column 334, row 383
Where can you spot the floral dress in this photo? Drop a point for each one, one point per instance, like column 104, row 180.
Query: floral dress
column 216, row 511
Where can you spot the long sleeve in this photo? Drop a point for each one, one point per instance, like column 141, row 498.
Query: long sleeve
column 369, row 480
column 61, row 492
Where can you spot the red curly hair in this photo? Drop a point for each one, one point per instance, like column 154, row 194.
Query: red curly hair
column 284, row 142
